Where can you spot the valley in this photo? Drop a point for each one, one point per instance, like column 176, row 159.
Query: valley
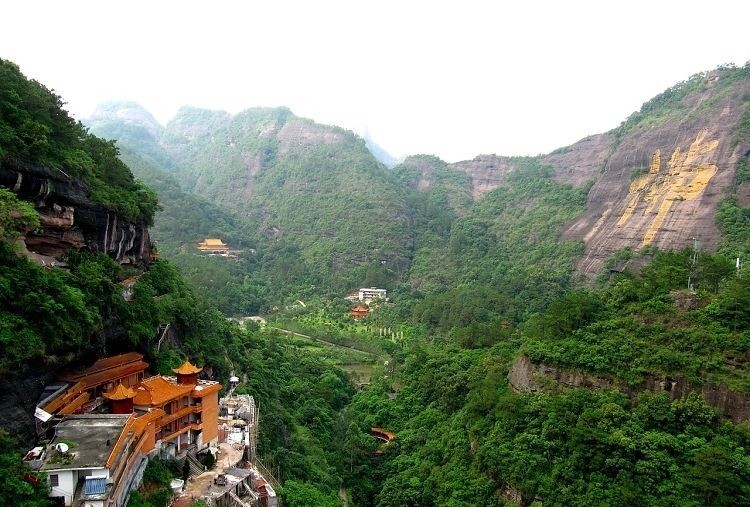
column 571, row 328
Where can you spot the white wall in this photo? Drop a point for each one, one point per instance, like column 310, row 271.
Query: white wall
column 67, row 480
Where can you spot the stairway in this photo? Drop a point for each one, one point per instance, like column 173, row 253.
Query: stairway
column 196, row 467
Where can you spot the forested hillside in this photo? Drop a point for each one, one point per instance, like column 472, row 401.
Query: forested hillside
column 633, row 369
column 58, row 314
column 508, row 369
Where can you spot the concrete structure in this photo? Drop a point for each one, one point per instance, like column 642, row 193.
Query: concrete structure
column 96, row 459
column 242, row 486
column 368, row 294
column 238, row 422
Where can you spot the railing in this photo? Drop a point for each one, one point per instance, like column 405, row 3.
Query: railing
column 266, row 473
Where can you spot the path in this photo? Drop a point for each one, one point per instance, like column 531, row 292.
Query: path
column 311, row 338
column 198, row 486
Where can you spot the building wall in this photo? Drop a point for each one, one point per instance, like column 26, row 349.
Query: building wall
column 67, row 480
column 210, row 417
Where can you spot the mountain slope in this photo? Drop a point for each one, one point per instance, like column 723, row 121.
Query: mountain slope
column 658, row 178
column 312, row 188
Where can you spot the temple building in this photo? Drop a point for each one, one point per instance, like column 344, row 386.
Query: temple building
column 191, row 408
column 213, row 246
column 96, row 459
column 81, row 392
column 359, row 312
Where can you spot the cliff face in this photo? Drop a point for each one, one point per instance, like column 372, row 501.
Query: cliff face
column 662, row 179
column 526, row 376
column 487, row 172
column 657, row 179
column 70, row 219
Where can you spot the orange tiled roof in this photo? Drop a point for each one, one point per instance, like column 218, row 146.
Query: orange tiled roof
column 107, row 363
column 120, row 441
column 120, row 393
column 187, row 368
column 108, row 375
column 142, row 421
column 156, row 391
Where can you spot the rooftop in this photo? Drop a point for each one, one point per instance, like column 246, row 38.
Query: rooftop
column 90, row 438
column 158, row 390
column 120, row 393
column 213, row 242
column 106, row 363
column 187, row 368
column 108, row 369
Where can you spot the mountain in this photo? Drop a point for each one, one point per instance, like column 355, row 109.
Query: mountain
column 80, row 282
column 315, row 199
column 510, row 379
column 305, row 188
column 659, row 178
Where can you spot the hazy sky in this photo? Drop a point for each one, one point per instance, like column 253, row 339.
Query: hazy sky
column 454, row 79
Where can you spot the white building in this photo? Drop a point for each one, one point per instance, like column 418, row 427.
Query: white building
column 367, row 295
column 94, row 460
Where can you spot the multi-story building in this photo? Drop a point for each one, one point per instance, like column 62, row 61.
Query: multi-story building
column 96, row 459
column 191, row 408
column 369, row 294
column 79, row 392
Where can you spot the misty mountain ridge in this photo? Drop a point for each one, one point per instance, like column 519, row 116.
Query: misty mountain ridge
column 686, row 138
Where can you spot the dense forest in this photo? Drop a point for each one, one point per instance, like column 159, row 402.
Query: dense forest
column 475, row 285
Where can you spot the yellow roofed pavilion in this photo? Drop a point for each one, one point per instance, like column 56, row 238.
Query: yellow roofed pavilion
column 120, row 393
column 213, row 245
column 187, row 368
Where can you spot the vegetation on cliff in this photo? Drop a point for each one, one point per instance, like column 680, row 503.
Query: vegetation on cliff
column 36, row 130
column 474, row 285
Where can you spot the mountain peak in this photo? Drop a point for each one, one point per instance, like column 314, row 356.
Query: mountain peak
column 127, row 113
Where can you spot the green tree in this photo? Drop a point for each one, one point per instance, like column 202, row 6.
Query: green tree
column 13, row 487
column 16, row 216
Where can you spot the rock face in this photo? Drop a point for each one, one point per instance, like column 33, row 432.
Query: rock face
column 526, row 376
column 487, row 172
column 70, row 219
column 657, row 179
column 662, row 179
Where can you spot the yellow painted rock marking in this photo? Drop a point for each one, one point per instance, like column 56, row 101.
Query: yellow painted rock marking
column 686, row 176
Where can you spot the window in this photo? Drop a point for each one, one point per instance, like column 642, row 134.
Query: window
column 54, row 480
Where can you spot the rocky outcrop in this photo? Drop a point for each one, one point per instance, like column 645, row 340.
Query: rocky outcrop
column 298, row 134
column 70, row 219
column 662, row 179
column 657, row 180
column 526, row 376
column 487, row 172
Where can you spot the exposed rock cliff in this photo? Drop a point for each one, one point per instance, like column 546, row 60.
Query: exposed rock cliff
column 658, row 177
column 487, row 172
column 526, row 376
column 70, row 219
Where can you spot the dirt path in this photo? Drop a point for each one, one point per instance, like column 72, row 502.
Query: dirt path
column 198, row 486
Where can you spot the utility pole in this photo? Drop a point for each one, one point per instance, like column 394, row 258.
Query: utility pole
column 693, row 262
